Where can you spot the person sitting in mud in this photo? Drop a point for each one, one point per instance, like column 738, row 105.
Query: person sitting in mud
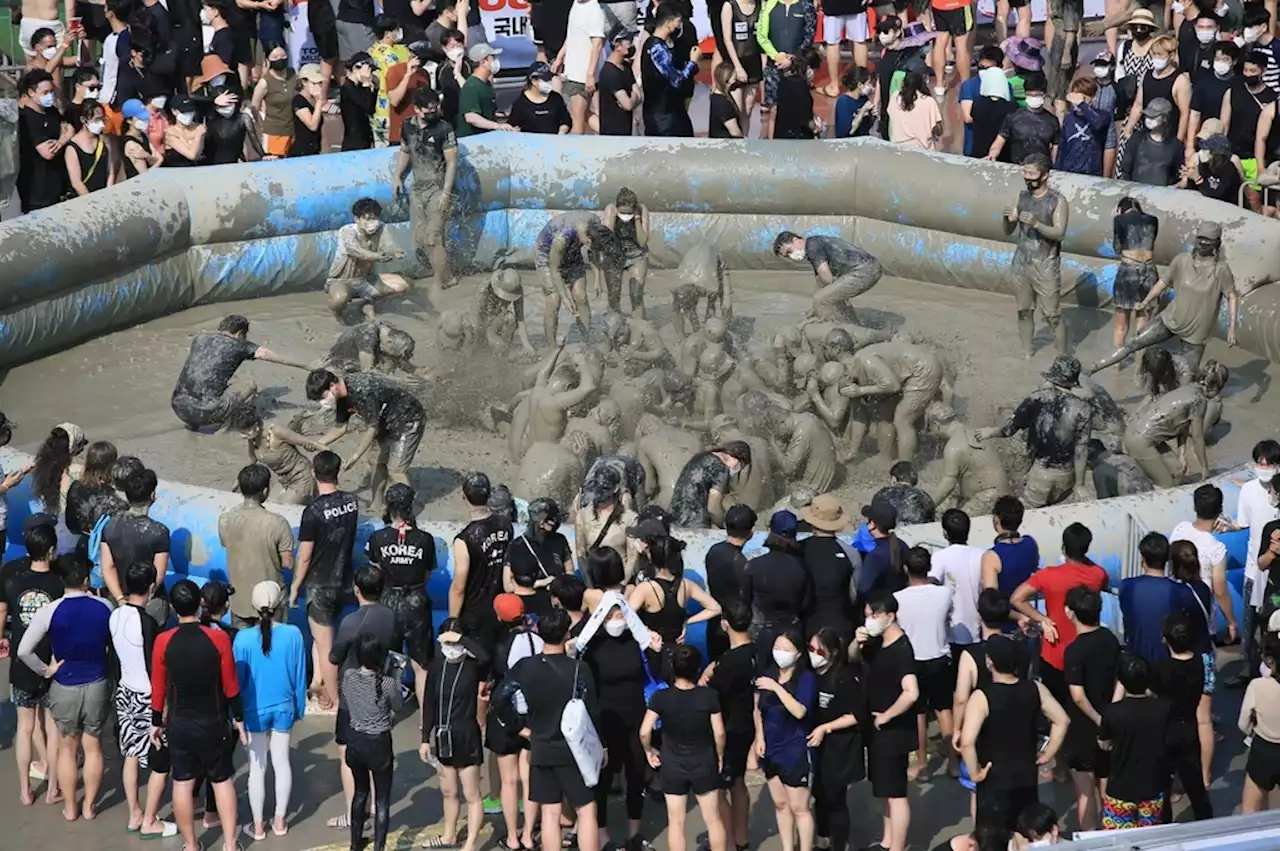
column 1160, row 372
column 1058, row 424
column 204, row 395
column 662, row 451
column 887, row 369
column 970, row 468
column 824, row 396
column 394, row 419
column 702, row 274
column 361, row 244
column 372, row 346
column 602, row 426
column 698, row 500
column 913, row 503
column 554, row 394
column 555, row 469
column 714, row 368
column 1176, row 416
column 1200, row 280
column 276, row 447
column 753, row 486
column 1115, row 474
column 634, row 344
column 713, row 335
column 844, row 271
column 560, row 258
column 628, row 219
column 804, row 450
column 497, row 302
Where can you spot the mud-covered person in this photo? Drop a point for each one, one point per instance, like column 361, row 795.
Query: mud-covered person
column 372, row 346
column 913, row 503
column 258, row 543
column 479, row 555
column 393, row 416
column 971, row 470
column 1058, row 424
column 560, row 258
column 1039, row 219
column 430, row 149
column 1134, row 239
column 698, row 498
column 497, row 310
column 361, row 244
column 843, row 270
column 406, row 555
column 703, row 274
column 1177, row 416
column 276, row 447
column 204, row 394
column 629, row 221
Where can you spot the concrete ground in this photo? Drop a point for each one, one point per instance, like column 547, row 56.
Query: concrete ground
column 940, row 807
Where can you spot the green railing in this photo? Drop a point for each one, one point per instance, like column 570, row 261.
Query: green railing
column 9, row 36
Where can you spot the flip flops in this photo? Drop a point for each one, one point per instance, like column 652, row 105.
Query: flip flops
column 168, row 829
column 247, row 829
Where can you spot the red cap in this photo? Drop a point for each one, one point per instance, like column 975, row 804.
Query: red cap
column 508, row 607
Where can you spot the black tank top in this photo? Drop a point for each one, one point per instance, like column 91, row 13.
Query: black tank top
column 669, row 620
column 131, row 170
column 487, row 541
column 1246, row 108
column 94, row 166
column 978, row 652
column 743, row 32
column 1153, row 87
column 1008, row 736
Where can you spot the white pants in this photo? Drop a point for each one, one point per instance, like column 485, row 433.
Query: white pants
column 277, row 744
column 837, row 28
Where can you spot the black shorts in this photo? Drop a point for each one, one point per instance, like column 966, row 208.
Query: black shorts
column 1001, row 807
column 954, row 21
column 937, row 679
column 678, row 781
column 551, row 784
column 1019, row 4
column 466, row 749
column 200, row 752
column 887, row 770
column 324, row 29
column 340, row 726
column 797, row 776
column 737, row 750
column 1082, row 752
column 412, row 609
column 1263, row 764
column 324, row 605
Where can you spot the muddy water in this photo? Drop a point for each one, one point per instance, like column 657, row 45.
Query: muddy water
column 117, row 388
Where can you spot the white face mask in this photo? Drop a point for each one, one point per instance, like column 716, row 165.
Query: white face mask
column 95, row 127
column 370, row 228
column 1203, row 156
column 817, row 660
column 328, row 402
column 205, row 17
column 1252, row 34
column 49, row 52
column 1206, row 36
column 797, row 255
column 1264, row 474
column 544, row 86
column 1221, row 10
column 159, row 101
column 867, row 90
column 47, row 100
column 186, row 119
column 453, row 53
column 626, row 217
column 1151, row 123
column 142, row 124
column 226, row 111
column 1159, row 63
column 92, row 94
column 399, row 35
column 615, row 627
column 452, row 652
column 1035, row 101
column 785, row 658
column 1222, row 69
column 495, row 65
column 1101, row 71
column 875, row 627
column 886, row 38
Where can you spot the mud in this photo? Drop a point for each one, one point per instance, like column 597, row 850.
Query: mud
column 119, row 386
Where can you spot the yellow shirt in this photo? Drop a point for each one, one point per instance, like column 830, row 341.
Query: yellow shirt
column 385, row 55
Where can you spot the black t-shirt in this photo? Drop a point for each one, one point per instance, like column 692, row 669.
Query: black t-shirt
column 830, row 572
column 414, row 26
column 1136, row 728
column 406, row 556
column 546, row 117
column 794, row 110
column 85, row 505
column 1090, row 661
column 686, row 726
column 41, row 182
column 886, row 665
column 1181, row 682
column 1193, row 57
column 618, row 667
column 223, row 139
column 306, row 142
column 723, row 110
column 212, row 361
column 1221, row 182
column 356, row 12
column 1207, row 94
column 840, row 693
column 382, row 404
column 913, row 504
column 329, row 523
column 777, row 586
column 223, row 46
column 1027, row 132
column 132, row 538
column 538, row 559
column 487, row 542
column 538, row 603
column 614, row 120
column 356, row 103
column 25, row 592
column 547, row 682
column 703, row 474
column 1273, row 576
column 733, row 680
column 724, row 567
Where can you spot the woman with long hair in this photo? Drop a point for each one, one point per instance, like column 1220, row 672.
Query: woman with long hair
column 604, row 570
column 786, row 696
column 726, row 121
column 661, row 601
column 271, row 665
column 1184, row 567
column 1158, row 373
column 93, row 494
column 697, row 500
column 52, row 475
column 915, row 121
column 1260, row 720
column 90, row 161
column 836, row 737
column 692, row 753
column 372, row 698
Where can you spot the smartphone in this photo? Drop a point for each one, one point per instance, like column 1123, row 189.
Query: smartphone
column 444, row 743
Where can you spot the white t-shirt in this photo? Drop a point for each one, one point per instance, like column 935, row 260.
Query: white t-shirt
column 1210, row 549
column 924, row 613
column 1253, row 511
column 126, row 638
column 586, row 21
column 959, row 568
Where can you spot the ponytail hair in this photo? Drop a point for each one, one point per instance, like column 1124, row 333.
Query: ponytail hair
column 266, row 620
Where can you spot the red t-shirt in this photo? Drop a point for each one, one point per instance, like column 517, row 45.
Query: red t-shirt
column 395, row 74
column 1053, row 583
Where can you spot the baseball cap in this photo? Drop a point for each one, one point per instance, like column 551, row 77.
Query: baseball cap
column 361, row 58
column 623, row 34
column 784, row 523
column 134, row 108
column 311, row 73
column 508, row 607
column 182, row 103
column 267, row 594
column 881, row 513
column 1210, row 127
column 480, row 52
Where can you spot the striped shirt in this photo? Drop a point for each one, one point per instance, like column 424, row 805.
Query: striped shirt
column 371, row 707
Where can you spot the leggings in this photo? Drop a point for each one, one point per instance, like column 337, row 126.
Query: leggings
column 1182, row 750
column 623, row 741
column 357, row 754
column 831, row 811
column 276, row 743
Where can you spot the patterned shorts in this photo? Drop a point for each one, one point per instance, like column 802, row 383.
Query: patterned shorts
column 1122, row 815
column 1210, row 673
column 133, row 713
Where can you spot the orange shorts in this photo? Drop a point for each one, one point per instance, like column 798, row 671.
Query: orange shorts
column 277, row 145
column 113, row 122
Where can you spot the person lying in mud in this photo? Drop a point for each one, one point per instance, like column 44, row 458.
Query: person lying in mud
column 372, row 346
column 276, row 447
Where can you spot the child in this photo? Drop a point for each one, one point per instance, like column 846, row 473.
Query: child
column 360, row 245
column 1134, row 729
column 855, row 113
column 1179, row 679
column 1260, row 720
column 794, row 118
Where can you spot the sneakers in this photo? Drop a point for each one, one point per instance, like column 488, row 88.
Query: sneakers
column 492, row 807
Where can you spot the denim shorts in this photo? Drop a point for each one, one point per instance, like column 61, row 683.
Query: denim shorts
column 280, row 719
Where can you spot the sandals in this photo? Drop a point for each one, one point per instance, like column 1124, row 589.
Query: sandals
column 438, row 843
column 256, row 837
column 569, row 840
column 168, row 830
column 338, row 823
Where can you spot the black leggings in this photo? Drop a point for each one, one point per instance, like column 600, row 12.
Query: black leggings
column 370, row 756
column 623, row 742
column 1182, row 750
column 831, row 812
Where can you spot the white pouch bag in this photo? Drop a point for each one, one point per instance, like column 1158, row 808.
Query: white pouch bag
column 580, row 734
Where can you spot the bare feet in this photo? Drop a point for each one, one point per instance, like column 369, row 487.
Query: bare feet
column 53, row 796
column 211, row 821
column 26, row 797
column 70, row 813
column 89, row 812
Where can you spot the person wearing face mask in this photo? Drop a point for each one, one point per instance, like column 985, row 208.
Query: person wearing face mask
column 894, row 55
column 42, row 174
column 430, row 149
column 837, row 739
column 1152, row 154
column 184, row 140
column 477, row 102
column 91, row 164
column 450, row 732
column 390, row 49
column 357, row 100
column 1165, row 81
column 1207, row 94
column 47, row 52
column 85, row 84
column 843, row 270
column 664, row 74
column 1256, row 511
column 139, row 156
column 1214, row 171
column 537, row 557
column 619, row 92
column 985, row 99
column 786, row 700
column 1105, row 101
column 698, row 497
column 1028, row 130
column 1132, row 60
column 403, row 80
column 273, row 99
column 856, row 109
column 506, row 721
column 1249, row 113
column 1257, row 36
column 1197, row 45
column 1039, row 218
column 540, row 109
column 1084, row 131
column 225, row 131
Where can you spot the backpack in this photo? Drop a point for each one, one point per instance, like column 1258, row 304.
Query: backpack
column 95, row 550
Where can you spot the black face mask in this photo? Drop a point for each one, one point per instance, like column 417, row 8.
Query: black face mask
column 279, row 64
column 1033, row 183
column 1141, row 35
column 1253, row 81
column 1206, row 247
column 630, row 54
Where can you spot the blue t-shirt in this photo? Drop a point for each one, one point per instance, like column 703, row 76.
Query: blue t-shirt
column 847, row 107
column 969, row 90
column 786, row 736
column 273, row 686
column 1145, row 601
